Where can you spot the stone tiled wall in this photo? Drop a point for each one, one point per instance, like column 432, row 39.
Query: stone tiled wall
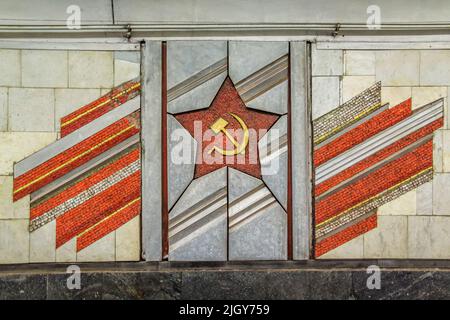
column 416, row 225
column 37, row 88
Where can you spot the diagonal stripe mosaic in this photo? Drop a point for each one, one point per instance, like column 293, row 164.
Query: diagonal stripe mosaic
column 365, row 155
column 89, row 181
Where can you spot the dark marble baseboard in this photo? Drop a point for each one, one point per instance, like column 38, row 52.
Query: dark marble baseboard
column 302, row 280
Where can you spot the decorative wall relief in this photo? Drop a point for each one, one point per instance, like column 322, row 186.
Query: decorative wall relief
column 365, row 155
column 229, row 102
column 89, row 180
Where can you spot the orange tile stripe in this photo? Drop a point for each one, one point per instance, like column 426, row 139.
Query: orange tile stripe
column 87, row 182
column 362, row 132
column 346, row 235
column 375, row 197
column 336, row 130
column 390, row 174
column 99, row 107
column 89, row 213
column 377, row 157
column 73, row 157
column 109, row 224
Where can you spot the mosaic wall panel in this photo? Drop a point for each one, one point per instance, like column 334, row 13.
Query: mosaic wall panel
column 367, row 153
column 381, row 153
column 230, row 106
column 70, row 174
column 89, row 180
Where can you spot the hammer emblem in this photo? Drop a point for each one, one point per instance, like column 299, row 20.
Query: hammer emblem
column 220, row 126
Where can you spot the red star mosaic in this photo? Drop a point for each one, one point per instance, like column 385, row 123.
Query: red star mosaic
column 227, row 102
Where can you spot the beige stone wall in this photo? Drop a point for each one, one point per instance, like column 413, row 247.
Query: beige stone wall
column 37, row 88
column 416, row 225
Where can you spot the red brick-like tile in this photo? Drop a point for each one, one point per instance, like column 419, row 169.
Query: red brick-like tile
column 86, row 215
column 114, row 221
column 99, row 107
column 387, row 176
column 84, row 184
column 362, row 132
column 346, row 235
column 74, row 157
column 377, row 157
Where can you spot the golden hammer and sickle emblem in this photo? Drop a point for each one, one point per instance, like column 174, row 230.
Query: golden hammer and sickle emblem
column 219, row 126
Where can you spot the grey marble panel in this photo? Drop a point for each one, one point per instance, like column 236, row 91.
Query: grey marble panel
column 240, row 183
column 185, row 60
column 181, row 154
column 198, row 98
column 198, row 221
column 208, row 245
column 274, row 158
column 301, row 150
column 424, row 200
column 130, row 56
column 151, row 116
column 275, row 100
column 257, row 222
column 263, row 238
column 247, row 57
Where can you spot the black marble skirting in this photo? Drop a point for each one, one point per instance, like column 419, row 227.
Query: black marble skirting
column 289, row 280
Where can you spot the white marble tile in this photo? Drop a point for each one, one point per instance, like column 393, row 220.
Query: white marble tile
column 397, row 67
column 43, row 243
column 3, row 109
column 435, row 67
column 395, row 95
column 428, row 237
column 44, row 68
column 128, row 242
column 9, row 209
column 103, row 249
column 325, row 95
column 10, row 68
column 359, row 63
column 389, row 240
column 441, row 187
column 424, row 199
column 403, row 205
column 354, row 85
column 125, row 71
column 445, row 150
column 438, row 151
column 15, row 146
column 91, row 69
column 31, row 110
column 353, row 249
column 70, row 100
column 67, row 252
column 327, row 62
column 14, row 241
column 424, row 95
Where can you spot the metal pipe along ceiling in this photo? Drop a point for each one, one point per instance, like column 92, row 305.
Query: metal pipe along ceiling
column 168, row 30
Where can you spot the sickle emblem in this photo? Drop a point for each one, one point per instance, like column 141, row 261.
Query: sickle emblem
column 219, row 126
